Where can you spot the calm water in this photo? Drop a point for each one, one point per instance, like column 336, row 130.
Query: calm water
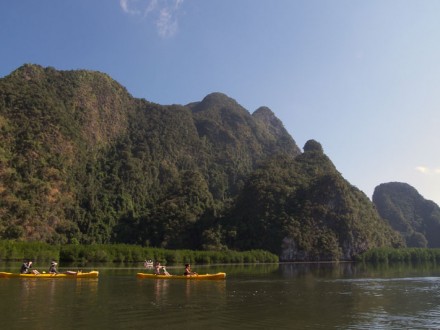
column 287, row 296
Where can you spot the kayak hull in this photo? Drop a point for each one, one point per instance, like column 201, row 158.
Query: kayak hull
column 218, row 276
column 92, row 274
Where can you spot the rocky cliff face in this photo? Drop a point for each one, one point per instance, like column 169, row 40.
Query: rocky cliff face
column 416, row 218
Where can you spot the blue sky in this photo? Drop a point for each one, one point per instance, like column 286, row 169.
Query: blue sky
column 360, row 77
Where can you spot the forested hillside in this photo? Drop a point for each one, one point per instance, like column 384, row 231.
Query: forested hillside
column 306, row 204
column 81, row 160
column 416, row 218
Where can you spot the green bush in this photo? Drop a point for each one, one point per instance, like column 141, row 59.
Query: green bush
column 11, row 250
column 14, row 250
column 408, row 255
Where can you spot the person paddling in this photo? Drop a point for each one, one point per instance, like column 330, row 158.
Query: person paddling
column 158, row 268
column 53, row 268
column 26, row 268
column 188, row 271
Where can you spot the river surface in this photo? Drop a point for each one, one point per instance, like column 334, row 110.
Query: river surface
column 268, row 296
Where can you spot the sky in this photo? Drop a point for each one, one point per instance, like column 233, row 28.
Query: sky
column 360, row 77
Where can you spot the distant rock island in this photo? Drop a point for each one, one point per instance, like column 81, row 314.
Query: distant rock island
column 417, row 219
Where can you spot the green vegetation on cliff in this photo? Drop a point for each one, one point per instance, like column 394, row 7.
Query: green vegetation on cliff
column 417, row 219
column 305, row 203
column 82, row 161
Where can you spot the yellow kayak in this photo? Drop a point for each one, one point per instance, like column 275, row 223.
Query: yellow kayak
column 69, row 274
column 218, row 276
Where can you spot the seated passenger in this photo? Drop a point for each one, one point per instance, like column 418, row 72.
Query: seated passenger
column 188, row 270
column 26, row 268
column 158, row 268
column 53, row 268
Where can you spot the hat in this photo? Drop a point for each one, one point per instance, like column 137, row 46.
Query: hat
column 53, row 263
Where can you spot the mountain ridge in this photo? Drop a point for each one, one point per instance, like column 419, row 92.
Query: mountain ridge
column 81, row 160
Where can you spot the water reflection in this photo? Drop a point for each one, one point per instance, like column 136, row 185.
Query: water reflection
column 50, row 303
column 319, row 270
column 268, row 296
column 27, row 287
column 161, row 290
column 86, row 285
column 207, row 288
column 253, row 269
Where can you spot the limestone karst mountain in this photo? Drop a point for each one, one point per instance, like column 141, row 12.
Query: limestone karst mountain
column 81, row 160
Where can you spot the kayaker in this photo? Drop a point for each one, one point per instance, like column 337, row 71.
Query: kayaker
column 188, row 270
column 26, row 268
column 158, row 268
column 53, row 267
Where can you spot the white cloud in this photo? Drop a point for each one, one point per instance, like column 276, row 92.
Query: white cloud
column 426, row 170
column 164, row 13
column 422, row 169
column 152, row 5
column 166, row 23
column 128, row 6
column 124, row 5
